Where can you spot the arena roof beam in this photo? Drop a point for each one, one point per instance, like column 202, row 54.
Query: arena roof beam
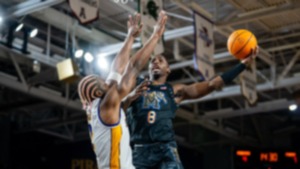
column 31, row 6
column 55, row 49
column 226, row 92
column 284, row 47
column 263, row 107
column 34, row 54
column 52, row 61
column 125, row 7
column 63, row 22
column 258, row 129
column 184, row 31
column 76, row 105
column 19, row 71
column 222, row 57
column 266, row 27
column 236, row 91
column 260, row 14
column 266, row 58
column 168, row 35
column 11, row 82
column 194, row 120
column 59, row 19
column 56, row 134
column 264, row 71
column 276, row 38
column 289, row 66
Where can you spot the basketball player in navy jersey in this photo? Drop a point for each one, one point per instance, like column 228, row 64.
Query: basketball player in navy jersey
column 151, row 110
column 102, row 100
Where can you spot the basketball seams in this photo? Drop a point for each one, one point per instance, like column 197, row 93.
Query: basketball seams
column 241, row 49
column 237, row 36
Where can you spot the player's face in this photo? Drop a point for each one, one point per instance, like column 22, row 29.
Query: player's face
column 159, row 66
column 91, row 88
column 103, row 87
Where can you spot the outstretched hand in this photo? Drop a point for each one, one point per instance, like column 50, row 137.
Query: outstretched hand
column 248, row 60
column 134, row 25
column 139, row 90
column 159, row 27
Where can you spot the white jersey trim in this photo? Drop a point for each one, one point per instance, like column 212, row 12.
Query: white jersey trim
column 102, row 122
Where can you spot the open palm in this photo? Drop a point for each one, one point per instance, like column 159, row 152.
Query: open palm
column 160, row 25
column 134, row 25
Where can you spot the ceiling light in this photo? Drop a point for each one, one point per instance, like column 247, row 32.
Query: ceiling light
column 293, row 107
column 88, row 57
column 102, row 63
column 34, row 32
column 78, row 53
column 19, row 27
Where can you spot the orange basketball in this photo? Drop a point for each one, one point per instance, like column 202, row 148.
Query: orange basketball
column 240, row 43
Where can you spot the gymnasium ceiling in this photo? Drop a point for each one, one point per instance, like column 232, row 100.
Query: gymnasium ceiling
column 39, row 102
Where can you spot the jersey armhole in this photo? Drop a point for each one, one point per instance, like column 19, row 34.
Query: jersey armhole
column 173, row 95
column 102, row 122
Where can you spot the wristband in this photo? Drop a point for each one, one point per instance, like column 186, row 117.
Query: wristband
column 114, row 76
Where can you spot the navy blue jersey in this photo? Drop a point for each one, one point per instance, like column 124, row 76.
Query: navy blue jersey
column 150, row 116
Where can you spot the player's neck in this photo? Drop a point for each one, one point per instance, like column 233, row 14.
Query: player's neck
column 159, row 81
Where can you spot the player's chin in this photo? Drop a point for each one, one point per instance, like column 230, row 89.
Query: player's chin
column 156, row 72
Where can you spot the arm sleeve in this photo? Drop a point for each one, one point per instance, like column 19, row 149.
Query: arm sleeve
column 233, row 73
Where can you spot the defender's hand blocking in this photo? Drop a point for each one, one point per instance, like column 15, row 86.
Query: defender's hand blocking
column 134, row 25
column 139, row 90
column 159, row 27
column 247, row 61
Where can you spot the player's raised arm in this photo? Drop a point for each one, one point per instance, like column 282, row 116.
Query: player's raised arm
column 122, row 58
column 141, row 58
column 197, row 90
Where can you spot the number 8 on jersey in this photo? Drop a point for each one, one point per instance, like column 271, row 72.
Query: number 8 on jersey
column 151, row 117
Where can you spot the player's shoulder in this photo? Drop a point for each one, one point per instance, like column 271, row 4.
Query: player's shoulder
column 177, row 87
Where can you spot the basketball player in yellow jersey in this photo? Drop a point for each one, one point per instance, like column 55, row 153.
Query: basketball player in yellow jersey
column 102, row 100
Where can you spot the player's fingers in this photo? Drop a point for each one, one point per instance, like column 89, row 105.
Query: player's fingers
column 130, row 20
column 137, row 17
column 163, row 17
column 128, row 24
column 141, row 27
column 257, row 50
column 134, row 18
column 144, row 88
column 254, row 53
column 162, row 30
column 144, row 83
column 139, row 91
column 164, row 20
column 138, row 94
column 161, row 13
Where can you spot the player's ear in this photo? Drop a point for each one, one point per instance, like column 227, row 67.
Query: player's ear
column 168, row 70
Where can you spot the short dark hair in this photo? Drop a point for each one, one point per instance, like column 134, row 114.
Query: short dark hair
column 163, row 56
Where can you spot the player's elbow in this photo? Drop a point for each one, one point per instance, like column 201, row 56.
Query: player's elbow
column 215, row 84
